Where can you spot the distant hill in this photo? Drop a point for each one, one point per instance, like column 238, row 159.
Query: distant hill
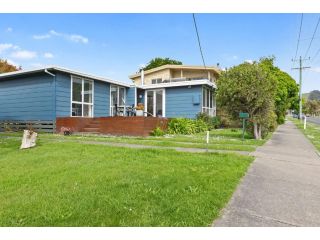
column 305, row 95
column 313, row 95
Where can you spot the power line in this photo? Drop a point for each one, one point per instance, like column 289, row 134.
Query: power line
column 314, row 33
column 317, row 53
column 195, row 25
column 295, row 57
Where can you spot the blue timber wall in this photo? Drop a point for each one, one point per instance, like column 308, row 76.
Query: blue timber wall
column 63, row 96
column 27, row 98
column 183, row 101
column 40, row 96
column 131, row 96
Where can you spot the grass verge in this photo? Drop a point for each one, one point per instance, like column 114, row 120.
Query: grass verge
column 312, row 131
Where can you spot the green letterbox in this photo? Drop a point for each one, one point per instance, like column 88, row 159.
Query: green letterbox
column 244, row 115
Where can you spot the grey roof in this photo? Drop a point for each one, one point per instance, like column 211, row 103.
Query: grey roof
column 65, row 70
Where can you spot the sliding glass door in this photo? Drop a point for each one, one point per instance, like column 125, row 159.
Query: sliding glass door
column 155, row 103
column 117, row 98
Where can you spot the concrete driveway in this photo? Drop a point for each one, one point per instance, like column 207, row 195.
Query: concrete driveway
column 281, row 187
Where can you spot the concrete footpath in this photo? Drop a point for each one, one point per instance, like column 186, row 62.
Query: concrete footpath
column 281, row 187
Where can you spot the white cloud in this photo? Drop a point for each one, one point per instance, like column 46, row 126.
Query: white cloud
column 78, row 38
column 249, row 61
column 13, row 63
column 234, row 57
column 48, row 55
column 70, row 37
column 24, row 54
column 315, row 69
column 9, row 29
column 52, row 32
column 41, row 37
column 5, row 46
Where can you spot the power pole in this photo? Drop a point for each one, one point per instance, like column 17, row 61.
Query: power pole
column 300, row 68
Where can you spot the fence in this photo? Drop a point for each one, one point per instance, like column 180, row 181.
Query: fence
column 18, row 125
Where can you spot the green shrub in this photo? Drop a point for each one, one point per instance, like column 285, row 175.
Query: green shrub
column 212, row 122
column 201, row 126
column 158, row 132
column 186, row 126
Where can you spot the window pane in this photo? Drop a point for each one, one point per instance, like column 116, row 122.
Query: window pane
column 121, row 97
column 150, row 102
column 114, row 96
column 210, row 99
column 87, row 91
column 76, row 109
column 87, row 110
column 159, row 103
column 76, row 89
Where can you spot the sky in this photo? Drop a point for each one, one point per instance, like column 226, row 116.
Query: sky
column 116, row 45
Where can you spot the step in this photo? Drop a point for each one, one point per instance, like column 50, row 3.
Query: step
column 87, row 133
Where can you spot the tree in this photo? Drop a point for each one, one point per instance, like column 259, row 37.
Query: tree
column 248, row 88
column 157, row 62
column 312, row 107
column 6, row 67
column 286, row 96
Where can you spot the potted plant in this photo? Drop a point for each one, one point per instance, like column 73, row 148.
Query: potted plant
column 139, row 109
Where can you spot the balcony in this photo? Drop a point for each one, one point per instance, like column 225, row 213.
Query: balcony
column 174, row 80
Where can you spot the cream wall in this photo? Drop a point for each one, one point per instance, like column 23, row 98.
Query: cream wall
column 174, row 73
column 164, row 74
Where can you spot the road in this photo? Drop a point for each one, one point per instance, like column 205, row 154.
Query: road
column 315, row 120
column 282, row 186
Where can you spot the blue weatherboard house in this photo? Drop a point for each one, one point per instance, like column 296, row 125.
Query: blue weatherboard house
column 168, row 91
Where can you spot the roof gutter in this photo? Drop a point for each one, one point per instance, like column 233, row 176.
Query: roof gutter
column 46, row 71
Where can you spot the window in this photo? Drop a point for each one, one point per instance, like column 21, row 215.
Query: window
column 156, row 80
column 117, row 97
column 82, row 97
column 208, row 101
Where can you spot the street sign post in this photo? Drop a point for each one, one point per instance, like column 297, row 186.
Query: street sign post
column 243, row 116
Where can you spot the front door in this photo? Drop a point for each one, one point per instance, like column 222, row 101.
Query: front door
column 155, row 103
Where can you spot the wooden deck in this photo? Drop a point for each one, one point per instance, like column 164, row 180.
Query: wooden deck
column 119, row 126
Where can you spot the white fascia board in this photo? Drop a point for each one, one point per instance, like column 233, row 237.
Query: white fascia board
column 91, row 76
column 179, row 84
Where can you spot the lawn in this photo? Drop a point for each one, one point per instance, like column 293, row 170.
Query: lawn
column 221, row 139
column 75, row 184
column 312, row 131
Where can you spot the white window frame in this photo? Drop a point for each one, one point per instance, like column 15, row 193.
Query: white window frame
column 154, row 100
column 82, row 96
column 205, row 107
column 118, row 99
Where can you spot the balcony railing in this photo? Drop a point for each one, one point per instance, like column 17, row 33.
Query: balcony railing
column 183, row 79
